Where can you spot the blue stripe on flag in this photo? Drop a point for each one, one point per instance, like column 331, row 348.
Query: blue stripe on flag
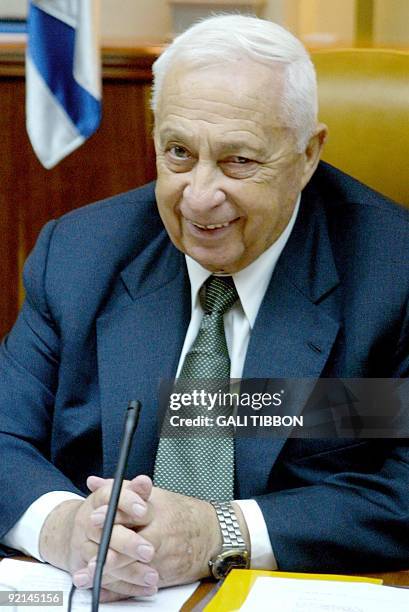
column 51, row 48
column 13, row 26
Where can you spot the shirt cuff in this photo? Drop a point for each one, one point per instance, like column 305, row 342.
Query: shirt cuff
column 25, row 535
column 262, row 555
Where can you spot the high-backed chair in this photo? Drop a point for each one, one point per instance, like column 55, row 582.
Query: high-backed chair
column 364, row 100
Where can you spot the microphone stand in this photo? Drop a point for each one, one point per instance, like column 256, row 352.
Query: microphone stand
column 131, row 422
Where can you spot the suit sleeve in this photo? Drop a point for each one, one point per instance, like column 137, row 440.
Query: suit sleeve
column 29, row 362
column 351, row 521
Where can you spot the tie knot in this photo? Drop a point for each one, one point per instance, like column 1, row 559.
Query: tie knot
column 220, row 294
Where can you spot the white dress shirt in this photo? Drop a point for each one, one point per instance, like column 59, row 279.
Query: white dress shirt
column 251, row 284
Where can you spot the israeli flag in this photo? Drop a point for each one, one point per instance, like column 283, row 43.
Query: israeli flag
column 63, row 76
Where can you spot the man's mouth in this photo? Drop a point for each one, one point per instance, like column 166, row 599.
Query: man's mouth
column 211, row 226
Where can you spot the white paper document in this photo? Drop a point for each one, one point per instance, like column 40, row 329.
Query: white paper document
column 25, row 576
column 286, row 595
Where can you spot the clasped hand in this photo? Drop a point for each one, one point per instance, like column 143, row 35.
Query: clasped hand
column 159, row 539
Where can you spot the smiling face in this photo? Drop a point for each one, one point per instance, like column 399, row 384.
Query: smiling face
column 228, row 171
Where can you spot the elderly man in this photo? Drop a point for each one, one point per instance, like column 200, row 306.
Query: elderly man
column 296, row 271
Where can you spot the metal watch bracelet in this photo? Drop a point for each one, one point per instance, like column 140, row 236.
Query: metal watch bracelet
column 233, row 553
column 229, row 526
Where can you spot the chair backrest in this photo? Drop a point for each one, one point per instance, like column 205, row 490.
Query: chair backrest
column 364, row 100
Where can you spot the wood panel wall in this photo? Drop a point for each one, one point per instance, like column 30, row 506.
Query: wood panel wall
column 118, row 157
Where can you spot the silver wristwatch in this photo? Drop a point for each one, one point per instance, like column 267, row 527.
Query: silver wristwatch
column 233, row 553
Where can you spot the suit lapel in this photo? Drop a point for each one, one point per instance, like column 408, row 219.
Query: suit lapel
column 293, row 335
column 131, row 360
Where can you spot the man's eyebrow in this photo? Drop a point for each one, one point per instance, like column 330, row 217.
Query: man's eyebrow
column 231, row 148
column 169, row 132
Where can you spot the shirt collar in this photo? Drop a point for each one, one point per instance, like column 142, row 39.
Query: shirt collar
column 251, row 282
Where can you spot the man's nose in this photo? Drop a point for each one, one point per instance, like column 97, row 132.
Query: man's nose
column 203, row 191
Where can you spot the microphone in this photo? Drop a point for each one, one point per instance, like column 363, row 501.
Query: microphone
column 131, row 422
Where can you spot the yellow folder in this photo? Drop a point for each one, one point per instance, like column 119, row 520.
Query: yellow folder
column 232, row 594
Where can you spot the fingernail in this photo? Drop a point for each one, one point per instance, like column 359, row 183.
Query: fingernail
column 139, row 509
column 97, row 518
column 148, row 592
column 145, row 552
column 91, row 566
column 81, row 580
column 151, row 578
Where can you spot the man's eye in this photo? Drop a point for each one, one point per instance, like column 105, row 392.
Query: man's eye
column 237, row 159
column 179, row 152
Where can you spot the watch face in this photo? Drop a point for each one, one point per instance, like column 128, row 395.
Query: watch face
column 226, row 561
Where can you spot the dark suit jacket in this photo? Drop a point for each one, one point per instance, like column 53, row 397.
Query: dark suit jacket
column 107, row 309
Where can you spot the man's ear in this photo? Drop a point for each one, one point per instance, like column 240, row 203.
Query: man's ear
column 312, row 152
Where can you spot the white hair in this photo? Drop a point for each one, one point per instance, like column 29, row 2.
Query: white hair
column 228, row 37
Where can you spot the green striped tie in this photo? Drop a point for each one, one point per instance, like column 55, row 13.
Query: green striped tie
column 202, row 465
